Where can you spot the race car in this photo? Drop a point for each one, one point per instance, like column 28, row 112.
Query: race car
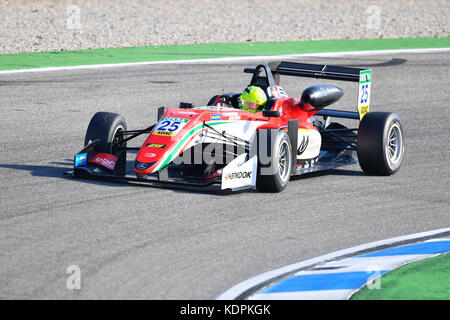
column 220, row 145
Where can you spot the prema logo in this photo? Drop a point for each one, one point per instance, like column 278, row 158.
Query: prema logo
column 238, row 175
column 105, row 162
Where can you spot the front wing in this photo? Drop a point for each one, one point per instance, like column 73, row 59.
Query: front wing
column 239, row 174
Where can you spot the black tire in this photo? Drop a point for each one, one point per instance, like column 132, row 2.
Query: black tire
column 273, row 176
column 381, row 143
column 109, row 128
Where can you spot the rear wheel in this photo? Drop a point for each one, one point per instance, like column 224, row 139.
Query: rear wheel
column 274, row 175
column 109, row 128
column 381, row 143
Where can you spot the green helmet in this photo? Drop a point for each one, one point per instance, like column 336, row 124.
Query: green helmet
column 253, row 99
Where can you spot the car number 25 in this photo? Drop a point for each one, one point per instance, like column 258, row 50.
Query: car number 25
column 170, row 125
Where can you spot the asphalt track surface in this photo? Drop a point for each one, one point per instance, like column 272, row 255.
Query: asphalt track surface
column 143, row 242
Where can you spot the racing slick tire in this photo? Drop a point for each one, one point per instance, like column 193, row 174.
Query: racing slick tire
column 381, row 143
column 274, row 175
column 109, row 128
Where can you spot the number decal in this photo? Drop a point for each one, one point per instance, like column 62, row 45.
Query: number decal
column 364, row 93
column 365, row 79
column 174, row 126
column 163, row 125
column 169, row 126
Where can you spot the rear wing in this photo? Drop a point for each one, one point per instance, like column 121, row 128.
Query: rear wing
column 318, row 71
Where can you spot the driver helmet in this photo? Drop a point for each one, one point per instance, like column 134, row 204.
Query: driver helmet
column 253, row 99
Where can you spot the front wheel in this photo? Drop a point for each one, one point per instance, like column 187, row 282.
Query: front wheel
column 274, row 169
column 109, row 128
column 381, row 143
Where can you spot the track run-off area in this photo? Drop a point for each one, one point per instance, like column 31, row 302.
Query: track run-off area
column 150, row 243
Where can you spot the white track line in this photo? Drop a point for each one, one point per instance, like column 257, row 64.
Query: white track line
column 305, row 295
column 247, row 285
column 227, row 60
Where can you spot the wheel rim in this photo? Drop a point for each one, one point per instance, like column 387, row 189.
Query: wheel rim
column 284, row 160
column 394, row 145
column 118, row 136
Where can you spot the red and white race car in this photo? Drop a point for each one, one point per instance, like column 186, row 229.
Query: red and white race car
column 221, row 145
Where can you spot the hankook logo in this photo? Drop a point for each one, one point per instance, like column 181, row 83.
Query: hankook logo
column 239, row 175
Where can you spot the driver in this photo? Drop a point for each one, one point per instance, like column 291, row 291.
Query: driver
column 253, row 99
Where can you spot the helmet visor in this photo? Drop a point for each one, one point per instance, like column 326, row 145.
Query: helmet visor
column 250, row 105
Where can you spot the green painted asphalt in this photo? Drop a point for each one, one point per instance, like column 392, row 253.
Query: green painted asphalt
column 205, row 51
column 427, row 279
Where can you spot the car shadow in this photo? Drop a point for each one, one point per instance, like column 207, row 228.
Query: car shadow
column 38, row 171
column 389, row 63
column 329, row 172
column 57, row 169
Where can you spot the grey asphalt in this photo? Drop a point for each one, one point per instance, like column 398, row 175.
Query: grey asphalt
column 134, row 242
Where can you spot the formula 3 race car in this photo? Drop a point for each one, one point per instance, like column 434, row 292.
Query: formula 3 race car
column 222, row 146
